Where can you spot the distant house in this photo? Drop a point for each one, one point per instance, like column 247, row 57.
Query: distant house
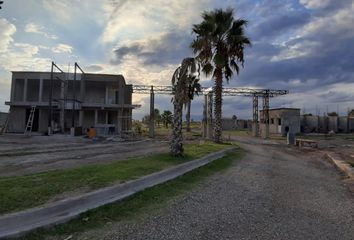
column 282, row 121
column 98, row 99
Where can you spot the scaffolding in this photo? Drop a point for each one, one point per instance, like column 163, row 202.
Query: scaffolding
column 63, row 100
column 255, row 93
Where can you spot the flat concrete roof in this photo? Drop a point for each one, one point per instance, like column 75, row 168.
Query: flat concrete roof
column 88, row 76
column 271, row 109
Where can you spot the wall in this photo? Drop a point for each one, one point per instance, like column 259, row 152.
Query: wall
column 343, row 124
column 17, row 121
column 32, row 90
column 3, row 117
column 309, row 124
column 333, row 124
column 351, row 124
column 43, row 120
column 322, row 124
column 128, row 90
column 283, row 118
column 89, row 119
column 228, row 124
column 19, row 89
column 292, row 121
column 95, row 92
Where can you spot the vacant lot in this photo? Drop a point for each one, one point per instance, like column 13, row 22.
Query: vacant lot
column 21, row 192
column 21, row 154
column 340, row 144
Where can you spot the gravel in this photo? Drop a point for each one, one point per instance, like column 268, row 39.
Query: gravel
column 273, row 193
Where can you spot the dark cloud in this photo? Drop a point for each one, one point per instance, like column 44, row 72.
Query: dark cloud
column 170, row 48
column 337, row 97
column 280, row 23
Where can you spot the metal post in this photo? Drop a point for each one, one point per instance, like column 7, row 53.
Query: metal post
column 152, row 113
column 210, row 116
column 50, row 101
column 205, row 117
column 255, row 127
column 266, row 113
column 74, row 99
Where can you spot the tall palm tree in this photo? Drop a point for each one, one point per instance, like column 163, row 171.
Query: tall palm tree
column 183, row 90
column 219, row 47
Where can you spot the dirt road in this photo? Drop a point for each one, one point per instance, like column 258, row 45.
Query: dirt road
column 275, row 192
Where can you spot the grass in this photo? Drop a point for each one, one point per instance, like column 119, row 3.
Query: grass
column 240, row 133
column 139, row 204
column 18, row 193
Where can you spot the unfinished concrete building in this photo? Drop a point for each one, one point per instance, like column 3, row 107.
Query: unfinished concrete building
column 92, row 100
column 282, row 121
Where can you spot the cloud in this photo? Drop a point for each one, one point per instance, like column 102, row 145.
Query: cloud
column 137, row 19
column 62, row 48
column 94, row 68
column 6, row 31
column 34, row 28
column 59, row 9
column 315, row 3
column 163, row 49
column 23, row 57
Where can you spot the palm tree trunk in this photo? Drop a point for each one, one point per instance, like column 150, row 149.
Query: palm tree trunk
column 176, row 147
column 218, row 106
column 188, row 116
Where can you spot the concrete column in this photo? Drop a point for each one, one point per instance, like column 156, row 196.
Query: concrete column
column 120, row 121
column 81, row 117
column 96, row 117
column 13, row 83
column 25, row 90
column 210, row 116
column 40, row 95
column 106, row 96
column 106, row 121
column 62, row 121
column 152, row 113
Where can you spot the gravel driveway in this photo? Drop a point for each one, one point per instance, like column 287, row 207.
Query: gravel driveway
column 275, row 192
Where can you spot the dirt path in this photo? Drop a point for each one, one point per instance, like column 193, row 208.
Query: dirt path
column 274, row 193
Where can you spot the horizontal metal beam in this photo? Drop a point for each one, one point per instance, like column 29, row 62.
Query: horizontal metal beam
column 229, row 91
column 146, row 89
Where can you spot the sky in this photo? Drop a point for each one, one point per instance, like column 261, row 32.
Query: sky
column 304, row 46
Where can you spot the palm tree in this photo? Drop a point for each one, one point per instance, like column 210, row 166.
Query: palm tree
column 183, row 90
column 194, row 85
column 219, row 47
column 166, row 117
